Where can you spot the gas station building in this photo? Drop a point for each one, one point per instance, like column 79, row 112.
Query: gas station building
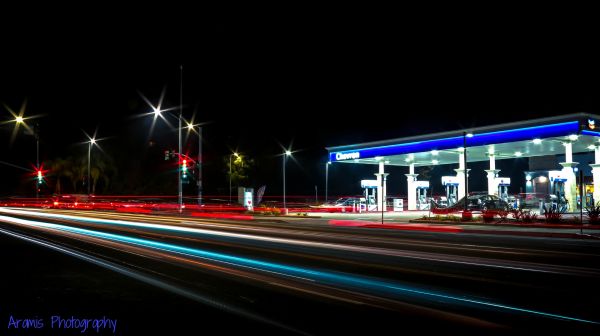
column 555, row 136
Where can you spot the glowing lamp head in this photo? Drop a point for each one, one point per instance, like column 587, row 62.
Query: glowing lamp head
column 573, row 137
column 156, row 111
column 469, row 135
column 537, row 141
column 19, row 119
column 435, row 162
column 288, row 153
column 190, row 127
column 93, row 141
column 518, row 154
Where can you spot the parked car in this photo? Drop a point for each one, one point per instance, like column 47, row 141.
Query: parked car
column 486, row 202
column 344, row 204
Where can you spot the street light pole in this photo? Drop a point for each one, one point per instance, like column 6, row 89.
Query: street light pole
column 230, row 178
column 327, row 180
column 37, row 157
column 285, row 155
column 199, row 165
column 465, row 172
column 284, row 161
column 179, row 182
column 88, row 174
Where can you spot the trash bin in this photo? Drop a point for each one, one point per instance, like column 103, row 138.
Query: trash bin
column 398, row 204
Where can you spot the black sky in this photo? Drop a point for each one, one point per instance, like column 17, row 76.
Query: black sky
column 305, row 80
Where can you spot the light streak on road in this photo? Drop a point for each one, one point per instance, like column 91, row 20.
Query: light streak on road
column 419, row 255
column 324, row 277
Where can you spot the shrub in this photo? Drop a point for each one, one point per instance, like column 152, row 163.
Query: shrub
column 453, row 218
column 526, row 216
column 467, row 215
column 529, row 217
column 593, row 213
column 487, row 216
column 553, row 215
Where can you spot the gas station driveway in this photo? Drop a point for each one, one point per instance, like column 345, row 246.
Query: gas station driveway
column 402, row 221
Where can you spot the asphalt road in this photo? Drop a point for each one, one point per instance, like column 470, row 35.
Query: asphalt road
column 172, row 274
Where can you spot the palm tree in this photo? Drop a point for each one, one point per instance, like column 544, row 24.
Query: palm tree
column 75, row 171
column 59, row 168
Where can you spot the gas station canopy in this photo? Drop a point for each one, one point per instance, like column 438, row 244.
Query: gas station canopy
column 536, row 137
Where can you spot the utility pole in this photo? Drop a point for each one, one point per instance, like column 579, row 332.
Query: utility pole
column 179, row 182
column 36, row 133
column 465, row 172
column 199, row 165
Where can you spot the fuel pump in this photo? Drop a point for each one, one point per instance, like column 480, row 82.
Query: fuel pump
column 451, row 184
column 370, row 191
column 422, row 188
column 557, row 188
column 503, row 183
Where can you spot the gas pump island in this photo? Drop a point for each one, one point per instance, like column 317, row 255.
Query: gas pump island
column 562, row 135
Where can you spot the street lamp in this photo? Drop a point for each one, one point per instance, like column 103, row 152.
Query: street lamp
column 157, row 112
column 20, row 120
column 190, row 127
column 327, row 180
column 90, row 143
column 230, row 155
column 285, row 155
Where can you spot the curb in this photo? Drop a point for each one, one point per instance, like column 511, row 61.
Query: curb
column 534, row 234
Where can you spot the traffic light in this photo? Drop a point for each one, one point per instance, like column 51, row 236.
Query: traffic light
column 184, row 168
column 40, row 177
column 167, row 155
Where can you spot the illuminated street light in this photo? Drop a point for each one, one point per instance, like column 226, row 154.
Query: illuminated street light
column 20, row 120
column 190, row 127
column 157, row 111
column 230, row 155
column 285, row 156
column 90, row 143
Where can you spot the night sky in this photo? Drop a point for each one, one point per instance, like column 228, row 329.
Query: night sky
column 262, row 84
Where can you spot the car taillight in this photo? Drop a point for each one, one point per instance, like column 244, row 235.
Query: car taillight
column 55, row 203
